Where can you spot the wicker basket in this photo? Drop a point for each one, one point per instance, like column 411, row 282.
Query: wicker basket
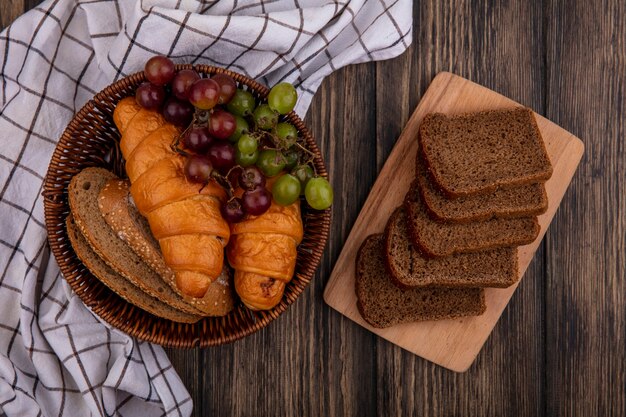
column 91, row 139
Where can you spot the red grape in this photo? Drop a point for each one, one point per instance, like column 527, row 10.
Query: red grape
column 182, row 81
column 222, row 156
column 197, row 140
column 232, row 211
column 159, row 70
column 221, row 124
column 257, row 201
column 198, row 168
column 228, row 86
column 178, row 112
column 251, row 177
column 150, row 96
column 204, row 93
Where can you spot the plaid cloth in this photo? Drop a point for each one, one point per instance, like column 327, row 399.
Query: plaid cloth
column 56, row 357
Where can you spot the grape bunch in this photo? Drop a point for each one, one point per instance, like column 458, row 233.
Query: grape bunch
column 231, row 138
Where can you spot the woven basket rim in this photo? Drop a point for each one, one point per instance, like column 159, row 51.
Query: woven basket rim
column 209, row 331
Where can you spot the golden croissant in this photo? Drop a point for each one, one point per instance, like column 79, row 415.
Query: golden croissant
column 263, row 251
column 183, row 216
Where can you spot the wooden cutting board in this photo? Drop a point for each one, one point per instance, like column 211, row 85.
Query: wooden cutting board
column 453, row 344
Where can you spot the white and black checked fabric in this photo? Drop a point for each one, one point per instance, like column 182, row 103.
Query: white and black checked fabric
column 56, row 358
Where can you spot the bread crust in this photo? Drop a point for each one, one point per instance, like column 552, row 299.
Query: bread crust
column 415, row 208
column 89, row 224
column 418, row 304
column 117, row 283
column 505, row 277
column 446, row 185
column 437, row 204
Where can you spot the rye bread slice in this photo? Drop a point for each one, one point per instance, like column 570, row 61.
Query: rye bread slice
column 435, row 239
column 479, row 152
column 122, row 216
column 409, row 268
column 382, row 304
column 117, row 283
column 83, row 194
column 522, row 201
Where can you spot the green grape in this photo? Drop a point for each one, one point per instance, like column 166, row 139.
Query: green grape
column 242, row 103
column 241, row 127
column 291, row 157
column 286, row 190
column 246, row 159
column 286, row 131
column 303, row 173
column 270, row 162
column 286, row 135
column 319, row 193
column 282, row 98
column 264, row 117
column 247, row 144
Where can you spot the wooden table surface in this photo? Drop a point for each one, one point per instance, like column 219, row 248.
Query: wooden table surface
column 559, row 348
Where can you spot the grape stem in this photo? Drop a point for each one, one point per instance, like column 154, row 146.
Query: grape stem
column 223, row 181
column 311, row 159
column 305, row 150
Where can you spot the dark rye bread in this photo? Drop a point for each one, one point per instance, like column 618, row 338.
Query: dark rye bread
column 382, row 304
column 409, row 268
column 115, row 204
column 83, row 198
column 479, row 152
column 117, row 283
column 522, row 201
column 435, row 238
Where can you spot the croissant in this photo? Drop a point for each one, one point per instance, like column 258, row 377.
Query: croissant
column 183, row 216
column 262, row 250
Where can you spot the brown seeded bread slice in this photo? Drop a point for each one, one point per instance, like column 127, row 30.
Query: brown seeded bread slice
column 83, row 198
column 118, row 283
column 409, row 268
column 435, row 239
column 479, row 152
column 382, row 304
column 122, row 216
column 522, row 201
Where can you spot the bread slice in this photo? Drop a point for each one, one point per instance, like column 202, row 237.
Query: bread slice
column 382, row 304
column 122, row 216
column 478, row 153
column 434, row 238
column 118, row 283
column 409, row 268
column 522, row 201
column 83, row 198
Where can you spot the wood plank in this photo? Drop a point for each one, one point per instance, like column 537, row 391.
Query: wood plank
column 586, row 277
column 29, row 4
column 480, row 41
column 342, row 119
column 453, row 344
column 9, row 11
